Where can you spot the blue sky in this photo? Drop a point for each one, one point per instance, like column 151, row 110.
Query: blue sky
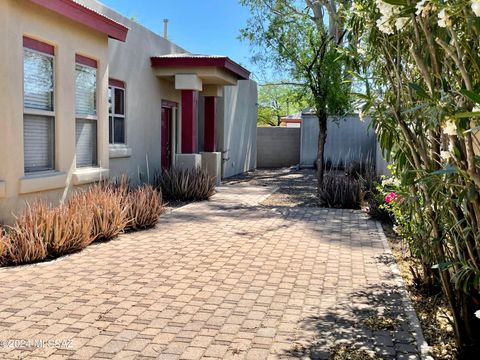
column 205, row 27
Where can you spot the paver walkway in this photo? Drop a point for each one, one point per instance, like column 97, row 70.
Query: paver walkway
column 227, row 278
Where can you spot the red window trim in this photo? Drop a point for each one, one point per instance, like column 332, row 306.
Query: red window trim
column 39, row 46
column 169, row 104
column 117, row 83
column 80, row 59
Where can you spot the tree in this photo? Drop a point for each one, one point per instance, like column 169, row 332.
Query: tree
column 304, row 38
column 278, row 100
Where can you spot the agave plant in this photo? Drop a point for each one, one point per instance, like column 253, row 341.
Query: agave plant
column 186, row 184
column 109, row 216
column 69, row 230
column 340, row 192
column 4, row 245
column 144, row 207
column 28, row 236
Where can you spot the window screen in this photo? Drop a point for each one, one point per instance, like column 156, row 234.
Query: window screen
column 86, row 112
column 39, row 139
column 39, row 118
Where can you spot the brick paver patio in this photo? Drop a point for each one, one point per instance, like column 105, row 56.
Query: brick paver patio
column 227, row 278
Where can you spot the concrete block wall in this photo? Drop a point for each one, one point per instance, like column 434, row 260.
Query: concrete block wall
column 278, row 147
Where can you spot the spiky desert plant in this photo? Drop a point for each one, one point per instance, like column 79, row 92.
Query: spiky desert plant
column 144, row 206
column 70, row 230
column 340, row 192
column 186, row 184
column 3, row 247
column 29, row 233
column 109, row 216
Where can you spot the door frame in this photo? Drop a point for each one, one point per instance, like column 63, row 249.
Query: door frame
column 173, row 106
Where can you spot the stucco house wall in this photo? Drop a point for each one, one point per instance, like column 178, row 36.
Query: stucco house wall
column 20, row 18
column 237, row 128
column 128, row 62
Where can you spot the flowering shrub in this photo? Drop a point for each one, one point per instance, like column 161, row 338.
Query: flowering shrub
column 420, row 61
column 392, row 197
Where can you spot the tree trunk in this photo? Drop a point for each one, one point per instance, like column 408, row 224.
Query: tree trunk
column 322, row 137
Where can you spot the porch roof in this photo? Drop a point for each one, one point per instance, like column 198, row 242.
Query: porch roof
column 86, row 16
column 187, row 62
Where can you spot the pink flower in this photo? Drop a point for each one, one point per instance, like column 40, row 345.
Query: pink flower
column 391, row 197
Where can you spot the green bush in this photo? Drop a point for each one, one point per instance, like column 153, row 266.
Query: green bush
column 186, row 185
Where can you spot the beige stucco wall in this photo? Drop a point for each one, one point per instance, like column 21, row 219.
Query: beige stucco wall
column 126, row 61
column 130, row 62
column 237, row 128
column 19, row 18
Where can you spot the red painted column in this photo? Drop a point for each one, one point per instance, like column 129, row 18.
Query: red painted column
column 210, row 144
column 189, row 121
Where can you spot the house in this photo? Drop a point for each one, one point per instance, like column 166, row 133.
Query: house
column 294, row 120
column 88, row 94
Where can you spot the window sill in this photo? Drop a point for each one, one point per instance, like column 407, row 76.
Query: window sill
column 42, row 181
column 89, row 175
column 119, row 151
column 2, row 189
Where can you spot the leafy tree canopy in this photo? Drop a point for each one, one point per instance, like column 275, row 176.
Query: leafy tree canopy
column 276, row 101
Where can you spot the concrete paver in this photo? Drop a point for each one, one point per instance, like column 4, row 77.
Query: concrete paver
column 228, row 278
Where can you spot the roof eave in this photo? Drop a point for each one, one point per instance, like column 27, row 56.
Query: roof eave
column 222, row 62
column 86, row 16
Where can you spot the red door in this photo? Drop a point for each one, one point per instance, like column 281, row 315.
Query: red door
column 166, row 137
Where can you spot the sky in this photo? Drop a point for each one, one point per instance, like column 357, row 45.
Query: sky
column 199, row 26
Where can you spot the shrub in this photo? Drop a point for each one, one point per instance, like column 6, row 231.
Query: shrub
column 3, row 248
column 377, row 210
column 70, row 230
column 360, row 169
column 144, row 207
column 186, row 185
column 340, row 192
column 109, row 216
column 28, row 237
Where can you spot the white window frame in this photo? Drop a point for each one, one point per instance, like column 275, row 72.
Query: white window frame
column 38, row 112
column 89, row 117
column 113, row 115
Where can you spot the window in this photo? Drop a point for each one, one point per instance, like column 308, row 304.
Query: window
column 38, row 104
column 116, row 119
column 86, row 111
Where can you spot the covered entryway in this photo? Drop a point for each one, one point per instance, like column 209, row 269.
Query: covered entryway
column 166, row 137
column 167, row 133
column 196, row 75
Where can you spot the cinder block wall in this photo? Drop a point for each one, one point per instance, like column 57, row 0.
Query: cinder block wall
column 278, row 147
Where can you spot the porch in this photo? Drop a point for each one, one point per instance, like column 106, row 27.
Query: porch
column 189, row 129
